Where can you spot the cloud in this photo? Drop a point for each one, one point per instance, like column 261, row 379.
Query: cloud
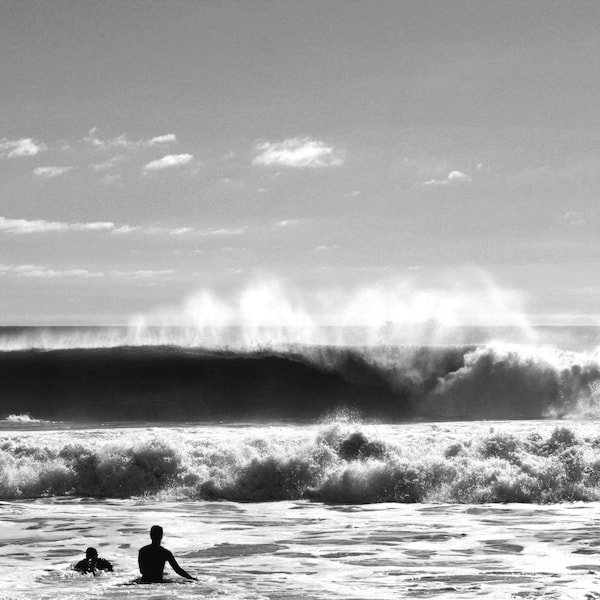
column 24, row 226
column 37, row 271
column 125, row 229
column 224, row 231
column 50, row 172
column 141, row 273
column 42, row 272
column 287, row 222
column 458, row 176
column 298, row 152
column 453, row 177
column 168, row 161
column 94, row 139
column 22, row 147
column 168, row 138
column 108, row 164
column 159, row 230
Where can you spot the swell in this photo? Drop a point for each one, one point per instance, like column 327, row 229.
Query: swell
column 174, row 384
column 160, row 383
column 389, row 384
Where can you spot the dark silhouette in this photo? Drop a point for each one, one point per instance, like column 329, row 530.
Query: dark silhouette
column 152, row 559
column 92, row 563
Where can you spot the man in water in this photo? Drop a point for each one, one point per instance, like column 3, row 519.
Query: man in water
column 92, row 563
column 152, row 559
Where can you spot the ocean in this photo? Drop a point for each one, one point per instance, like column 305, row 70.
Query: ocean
column 464, row 463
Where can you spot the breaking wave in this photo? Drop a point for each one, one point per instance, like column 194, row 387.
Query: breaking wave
column 340, row 463
column 23, row 419
column 388, row 383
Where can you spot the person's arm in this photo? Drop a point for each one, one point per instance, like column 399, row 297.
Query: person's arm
column 81, row 565
column 104, row 565
column 175, row 566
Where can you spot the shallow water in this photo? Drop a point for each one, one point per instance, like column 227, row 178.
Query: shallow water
column 305, row 550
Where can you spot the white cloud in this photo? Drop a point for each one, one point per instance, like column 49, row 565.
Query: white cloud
column 458, row 176
column 94, row 139
column 50, row 172
column 298, row 152
column 38, row 271
column 159, row 230
column 167, row 138
column 22, row 226
column 453, row 177
column 287, row 222
column 42, row 272
column 22, row 147
column 168, row 161
column 124, row 229
column 108, row 164
column 224, row 231
column 141, row 273
column 25, row 226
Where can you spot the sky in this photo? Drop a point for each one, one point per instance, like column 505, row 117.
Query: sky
column 415, row 153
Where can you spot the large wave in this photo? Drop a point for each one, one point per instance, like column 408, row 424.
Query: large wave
column 390, row 384
column 340, row 462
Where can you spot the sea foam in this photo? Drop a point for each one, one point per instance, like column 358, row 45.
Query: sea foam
column 340, row 462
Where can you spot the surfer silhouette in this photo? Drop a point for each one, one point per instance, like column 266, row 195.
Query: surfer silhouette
column 152, row 559
column 92, row 563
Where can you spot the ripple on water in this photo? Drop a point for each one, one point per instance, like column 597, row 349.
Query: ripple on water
column 234, row 550
column 501, row 546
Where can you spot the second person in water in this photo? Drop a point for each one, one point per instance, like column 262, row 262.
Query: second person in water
column 152, row 559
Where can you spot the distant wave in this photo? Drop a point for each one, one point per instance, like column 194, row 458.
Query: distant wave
column 21, row 419
column 340, row 463
column 389, row 384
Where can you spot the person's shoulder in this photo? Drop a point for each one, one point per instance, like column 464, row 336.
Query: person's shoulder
column 104, row 564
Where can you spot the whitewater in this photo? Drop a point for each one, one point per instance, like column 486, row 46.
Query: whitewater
column 462, row 467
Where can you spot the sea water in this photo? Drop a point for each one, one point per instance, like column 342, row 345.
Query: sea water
column 330, row 472
column 256, row 511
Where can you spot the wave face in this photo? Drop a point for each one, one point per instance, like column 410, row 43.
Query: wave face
column 391, row 383
column 341, row 462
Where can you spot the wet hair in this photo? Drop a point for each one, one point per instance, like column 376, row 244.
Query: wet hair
column 156, row 533
column 91, row 553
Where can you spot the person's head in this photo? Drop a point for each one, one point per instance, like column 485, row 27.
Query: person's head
column 91, row 553
column 156, row 533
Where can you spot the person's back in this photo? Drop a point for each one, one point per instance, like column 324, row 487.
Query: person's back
column 152, row 559
column 92, row 563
